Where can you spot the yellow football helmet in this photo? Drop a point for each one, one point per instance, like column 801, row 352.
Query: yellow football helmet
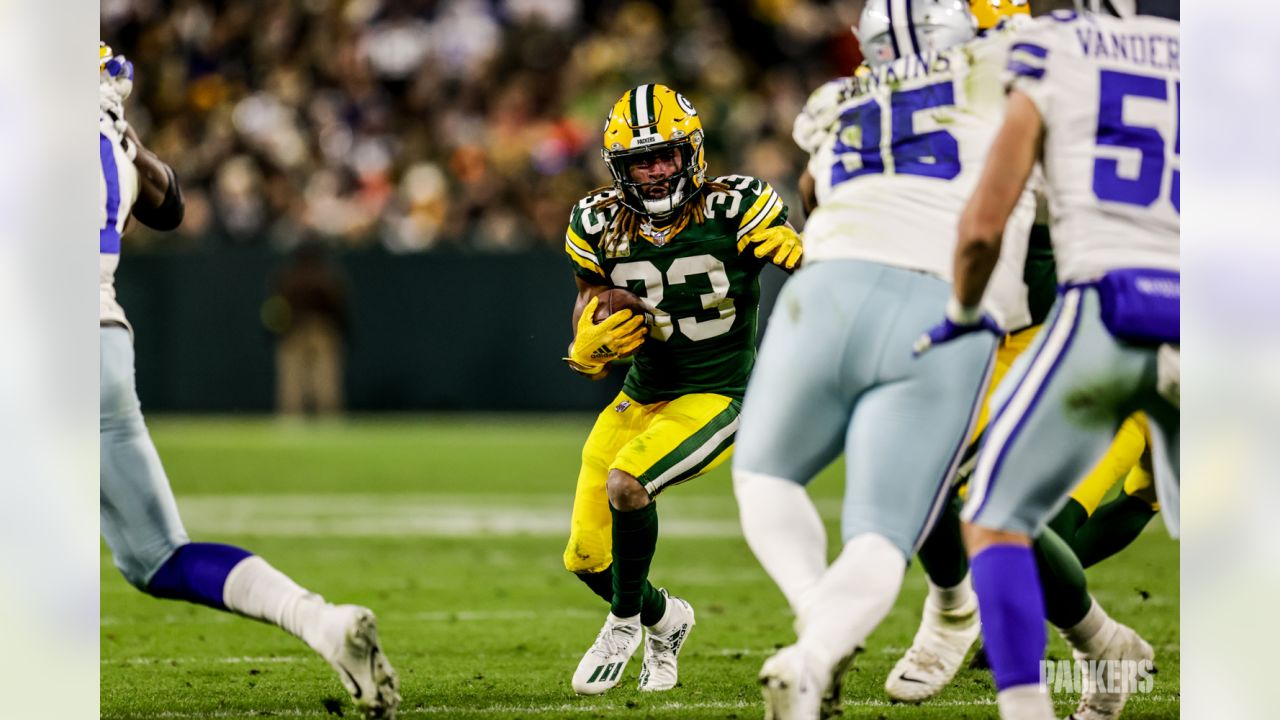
column 989, row 12
column 649, row 119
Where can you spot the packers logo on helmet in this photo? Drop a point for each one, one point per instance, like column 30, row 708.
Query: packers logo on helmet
column 649, row 122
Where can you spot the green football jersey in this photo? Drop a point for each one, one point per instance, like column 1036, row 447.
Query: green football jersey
column 699, row 281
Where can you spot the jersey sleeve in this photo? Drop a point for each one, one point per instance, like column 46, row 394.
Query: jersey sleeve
column 765, row 208
column 1028, row 63
column 580, row 246
column 820, row 113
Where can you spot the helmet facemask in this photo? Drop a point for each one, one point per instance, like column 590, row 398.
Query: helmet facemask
column 643, row 196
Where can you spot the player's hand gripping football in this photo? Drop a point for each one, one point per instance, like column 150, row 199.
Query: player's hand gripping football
column 958, row 322
column 595, row 345
column 780, row 241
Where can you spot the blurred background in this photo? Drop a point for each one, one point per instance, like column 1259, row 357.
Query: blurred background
column 368, row 180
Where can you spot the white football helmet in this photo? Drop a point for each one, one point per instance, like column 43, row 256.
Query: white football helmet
column 891, row 29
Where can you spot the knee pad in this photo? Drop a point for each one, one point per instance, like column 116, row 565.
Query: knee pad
column 579, row 565
column 588, row 552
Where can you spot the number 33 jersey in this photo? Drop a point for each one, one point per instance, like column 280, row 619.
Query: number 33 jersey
column 699, row 279
column 895, row 153
column 1108, row 94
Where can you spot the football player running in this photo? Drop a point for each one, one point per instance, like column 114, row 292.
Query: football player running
column 138, row 513
column 894, row 153
column 1080, row 535
column 692, row 248
column 1110, row 345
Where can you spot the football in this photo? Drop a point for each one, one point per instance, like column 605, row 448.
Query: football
column 616, row 299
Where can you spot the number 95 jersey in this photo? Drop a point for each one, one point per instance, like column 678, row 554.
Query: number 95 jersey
column 895, row 152
column 1108, row 94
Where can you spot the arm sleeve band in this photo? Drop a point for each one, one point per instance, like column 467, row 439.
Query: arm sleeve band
column 169, row 214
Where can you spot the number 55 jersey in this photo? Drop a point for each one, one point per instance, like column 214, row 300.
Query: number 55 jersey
column 1108, row 93
column 895, row 152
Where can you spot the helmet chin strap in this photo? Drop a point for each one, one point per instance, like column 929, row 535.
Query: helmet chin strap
column 667, row 204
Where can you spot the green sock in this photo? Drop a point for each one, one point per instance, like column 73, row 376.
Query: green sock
column 1111, row 529
column 653, row 604
column 635, row 540
column 1066, row 593
column 601, row 583
column 942, row 555
column 1069, row 520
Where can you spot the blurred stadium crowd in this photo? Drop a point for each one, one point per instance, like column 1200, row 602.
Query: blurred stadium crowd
column 417, row 125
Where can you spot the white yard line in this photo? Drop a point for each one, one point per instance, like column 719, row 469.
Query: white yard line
column 424, row 616
column 422, row 515
column 244, row 660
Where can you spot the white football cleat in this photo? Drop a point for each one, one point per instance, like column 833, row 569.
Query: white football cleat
column 601, row 668
column 1097, row 703
column 791, row 686
column 936, row 653
column 659, row 671
column 362, row 667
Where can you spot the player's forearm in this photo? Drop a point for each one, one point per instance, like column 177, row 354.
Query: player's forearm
column 153, row 173
column 808, row 192
column 160, row 205
column 975, row 260
column 153, row 177
column 586, row 291
column 1009, row 163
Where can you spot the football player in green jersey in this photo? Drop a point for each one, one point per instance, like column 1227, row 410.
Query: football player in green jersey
column 692, row 249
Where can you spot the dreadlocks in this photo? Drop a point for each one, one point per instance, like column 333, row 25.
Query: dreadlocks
column 628, row 223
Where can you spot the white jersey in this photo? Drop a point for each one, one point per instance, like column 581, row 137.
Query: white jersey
column 895, row 155
column 118, row 190
column 1108, row 93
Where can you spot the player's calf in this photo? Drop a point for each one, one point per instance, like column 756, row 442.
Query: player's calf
column 229, row 578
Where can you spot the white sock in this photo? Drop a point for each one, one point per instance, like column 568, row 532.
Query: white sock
column 852, row 598
column 1088, row 635
column 783, row 529
column 663, row 626
column 1025, row 702
column 951, row 598
column 257, row 590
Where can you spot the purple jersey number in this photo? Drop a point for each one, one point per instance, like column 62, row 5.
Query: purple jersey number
column 1145, row 189
column 933, row 154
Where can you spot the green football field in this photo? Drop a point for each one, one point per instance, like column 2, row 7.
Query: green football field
column 451, row 529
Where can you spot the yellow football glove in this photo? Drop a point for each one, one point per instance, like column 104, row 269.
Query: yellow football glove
column 616, row 336
column 780, row 241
